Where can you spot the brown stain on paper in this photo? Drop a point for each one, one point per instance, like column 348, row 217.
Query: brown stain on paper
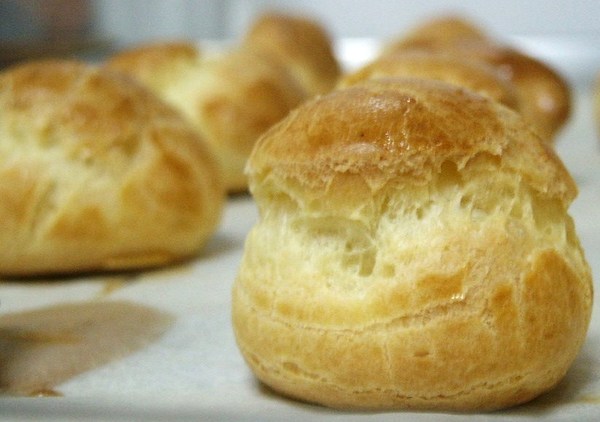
column 42, row 348
column 589, row 399
column 112, row 284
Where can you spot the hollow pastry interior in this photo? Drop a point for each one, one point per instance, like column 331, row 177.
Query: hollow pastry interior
column 414, row 250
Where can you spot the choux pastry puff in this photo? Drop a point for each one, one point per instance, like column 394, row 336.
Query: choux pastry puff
column 413, row 251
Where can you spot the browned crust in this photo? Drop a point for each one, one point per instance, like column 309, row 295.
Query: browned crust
column 544, row 95
column 413, row 251
column 231, row 98
column 98, row 173
column 301, row 43
column 401, row 126
column 470, row 74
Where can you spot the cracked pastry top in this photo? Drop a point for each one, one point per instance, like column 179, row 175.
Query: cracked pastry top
column 96, row 173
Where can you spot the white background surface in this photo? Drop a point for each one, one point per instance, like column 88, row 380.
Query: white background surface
column 137, row 20
column 195, row 371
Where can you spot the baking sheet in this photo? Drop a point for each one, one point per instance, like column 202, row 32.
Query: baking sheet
column 194, row 371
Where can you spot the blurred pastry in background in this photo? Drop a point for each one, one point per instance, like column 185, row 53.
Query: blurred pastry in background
column 98, row 173
column 302, row 44
column 436, row 33
column 158, row 65
column 230, row 97
column 471, row 74
column 543, row 95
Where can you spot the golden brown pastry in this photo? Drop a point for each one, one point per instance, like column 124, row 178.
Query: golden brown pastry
column 470, row 74
column 159, row 65
column 544, row 96
column 438, row 32
column 231, row 98
column 414, row 250
column 96, row 173
column 302, row 44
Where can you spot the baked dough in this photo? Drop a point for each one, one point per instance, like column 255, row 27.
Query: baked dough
column 470, row 74
column 413, row 250
column 96, row 173
column 544, row 96
column 438, row 32
column 302, row 44
column 231, row 98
